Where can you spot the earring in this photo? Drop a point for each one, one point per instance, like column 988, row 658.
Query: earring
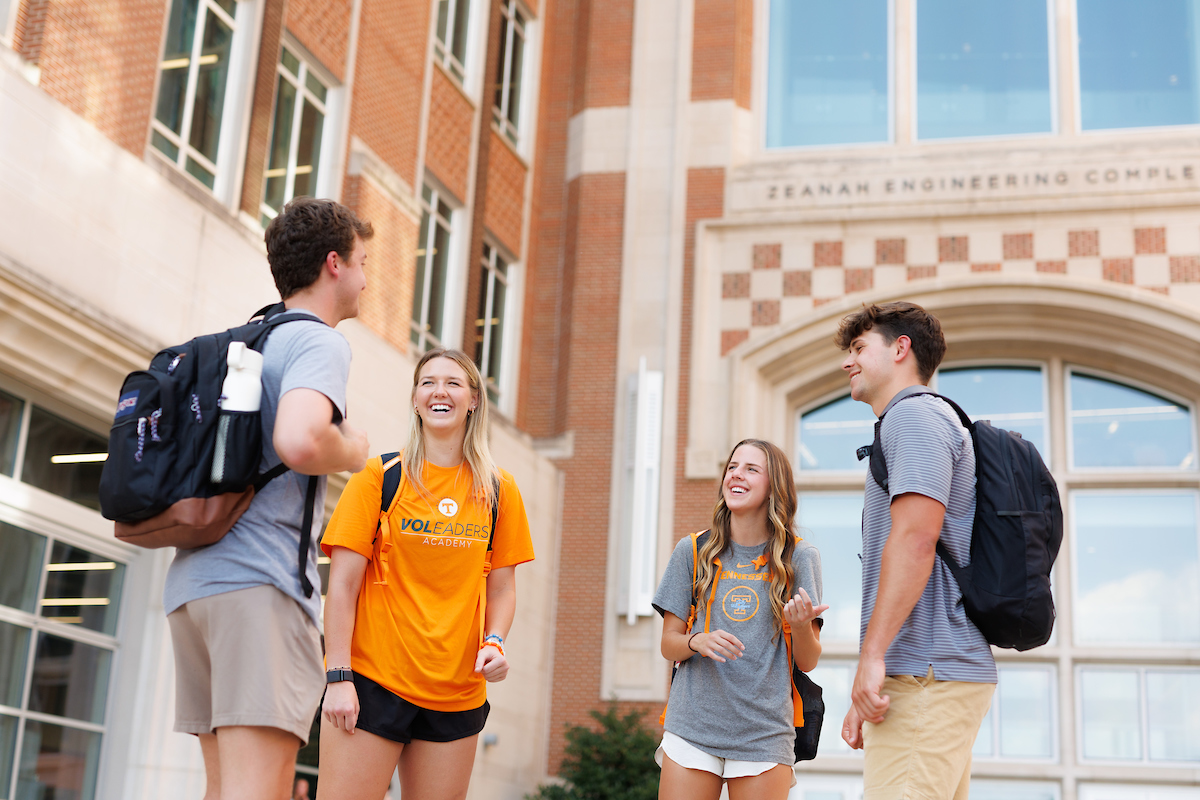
column 469, row 410
column 416, row 411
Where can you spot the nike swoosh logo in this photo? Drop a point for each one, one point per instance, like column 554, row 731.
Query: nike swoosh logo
column 743, row 566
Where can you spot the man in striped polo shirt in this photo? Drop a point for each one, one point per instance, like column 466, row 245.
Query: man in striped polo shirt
column 925, row 673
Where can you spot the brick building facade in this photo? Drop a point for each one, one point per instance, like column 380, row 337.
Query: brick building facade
column 598, row 202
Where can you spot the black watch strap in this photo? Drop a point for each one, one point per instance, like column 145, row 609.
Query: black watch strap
column 339, row 675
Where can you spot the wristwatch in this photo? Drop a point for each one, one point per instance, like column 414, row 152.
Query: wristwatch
column 339, row 675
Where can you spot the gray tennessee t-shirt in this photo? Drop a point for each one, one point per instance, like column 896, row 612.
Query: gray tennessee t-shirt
column 930, row 453
column 263, row 546
column 740, row 709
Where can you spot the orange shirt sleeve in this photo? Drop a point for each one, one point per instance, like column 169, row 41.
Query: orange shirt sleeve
column 357, row 513
column 512, row 544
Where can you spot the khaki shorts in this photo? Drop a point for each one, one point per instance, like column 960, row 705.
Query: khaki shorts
column 922, row 749
column 248, row 657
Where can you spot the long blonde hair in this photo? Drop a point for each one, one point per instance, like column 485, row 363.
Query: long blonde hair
column 475, row 444
column 781, row 541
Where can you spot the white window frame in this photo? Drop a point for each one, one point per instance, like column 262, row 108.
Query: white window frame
column 227, row 171
column 452, row 311
column 1121, row 380
column 443, row 52
column 847, row 475
column 507, row 329
column 518, row 21
column 1042, row 366
column 329, row 125
column 1143, row 713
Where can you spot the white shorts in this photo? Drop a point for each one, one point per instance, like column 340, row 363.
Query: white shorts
column 687, row 755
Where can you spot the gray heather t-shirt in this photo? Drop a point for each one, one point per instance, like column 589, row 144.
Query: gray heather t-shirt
column 928, row 452
column 263, row 546
column 740, row 709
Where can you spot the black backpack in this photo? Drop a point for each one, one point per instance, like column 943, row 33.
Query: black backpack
column 170, row 439
column 1015, row 537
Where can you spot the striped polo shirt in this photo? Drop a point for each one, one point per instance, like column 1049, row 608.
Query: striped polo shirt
column 928, row 452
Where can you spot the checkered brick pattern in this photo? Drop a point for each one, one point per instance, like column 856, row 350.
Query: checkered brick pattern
column 1137, row 256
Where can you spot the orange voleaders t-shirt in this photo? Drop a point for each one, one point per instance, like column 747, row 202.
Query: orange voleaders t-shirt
column 417, row 625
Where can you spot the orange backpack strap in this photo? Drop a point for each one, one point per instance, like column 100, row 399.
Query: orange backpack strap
column 691, row 620
column 797, row 701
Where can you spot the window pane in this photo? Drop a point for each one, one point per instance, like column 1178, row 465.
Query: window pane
column 48, row 464
column 442, row 20
column 11, row 409
column 290, row 62
column 1173, row 712
column 1024, row 700
column 501, row 75
column 177, row 57
column 1113, row 425
column 83, row 588
column 983, row 68
column 827, row 72
column 1111, row 727
column 308, row 150
column 514, row 89
column 1135, row 68
column 21, row 554
column 70, row 679
column 165, row 145
column 497, row 324
column 462, row 15
column 8, row 743
column 58, row 763
column 419, row 283
column 199, row 172
column 835, row 679
column 1011, row 397
column 437, row 281
column 833, row 522
column 210, row 87
column 14, row 647
column 274, row 194
column 828, row 436
column 315, row 86
column 1138, row 578
column 1012, row 790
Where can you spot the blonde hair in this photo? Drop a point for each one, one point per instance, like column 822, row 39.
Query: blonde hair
column 781, row 541
column 475, row 443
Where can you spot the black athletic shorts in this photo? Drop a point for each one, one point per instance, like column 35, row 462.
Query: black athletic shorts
column 385, row 714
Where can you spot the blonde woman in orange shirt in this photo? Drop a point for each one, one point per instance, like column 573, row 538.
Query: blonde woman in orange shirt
column 419, row 604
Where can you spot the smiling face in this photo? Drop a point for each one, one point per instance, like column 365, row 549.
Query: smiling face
column 443, row 395
column 747, row 484
column 871, row 365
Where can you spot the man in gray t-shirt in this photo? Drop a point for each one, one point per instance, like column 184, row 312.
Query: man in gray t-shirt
column 249, row 671
column 925, row 673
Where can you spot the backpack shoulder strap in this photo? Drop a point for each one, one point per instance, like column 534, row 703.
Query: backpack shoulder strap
column 879, row 468
column 393, row 467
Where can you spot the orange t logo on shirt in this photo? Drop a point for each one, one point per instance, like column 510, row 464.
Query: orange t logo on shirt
column 448, row 507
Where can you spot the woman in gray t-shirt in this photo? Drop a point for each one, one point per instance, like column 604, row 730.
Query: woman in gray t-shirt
column 726, row 598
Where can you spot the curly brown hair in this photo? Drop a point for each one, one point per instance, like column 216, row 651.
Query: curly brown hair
column 304, row 233
column 894, row 320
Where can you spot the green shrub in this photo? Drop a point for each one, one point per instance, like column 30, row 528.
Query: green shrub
column 613, row 763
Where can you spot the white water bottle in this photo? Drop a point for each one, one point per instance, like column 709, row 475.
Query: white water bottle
column 242, row 389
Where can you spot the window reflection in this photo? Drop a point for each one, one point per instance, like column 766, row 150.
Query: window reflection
column 1019, row 723
column 1173, row 714
column 70, row 679
column 8, row 744
column 1010, row 397
column 82, row 588
column 21, row 555
column 1138, row 69
column 1113, row 425
column 64, row 458
column 827, row 73
column 833, row 523
column 11, row 409
column 58, row 763
column 828, row 437
column 983, row 68
column 1012, row 790
column 14, row 646
column 1109, row 700
column 1144, row 593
